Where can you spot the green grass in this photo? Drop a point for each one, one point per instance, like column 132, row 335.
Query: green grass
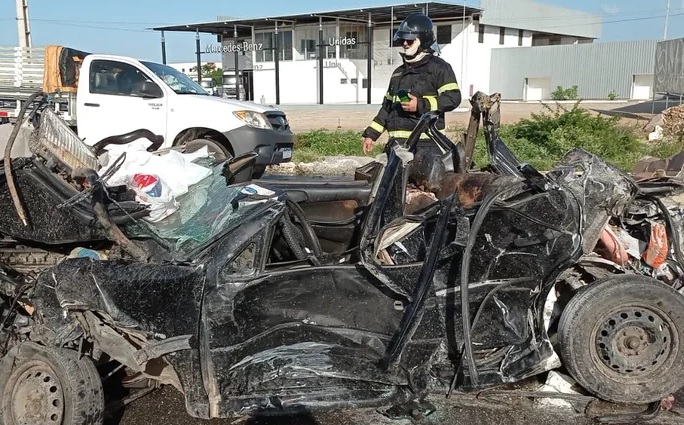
column 540, row 140
column 313, row 145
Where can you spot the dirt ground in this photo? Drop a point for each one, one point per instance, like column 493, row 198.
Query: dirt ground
column 357, row 117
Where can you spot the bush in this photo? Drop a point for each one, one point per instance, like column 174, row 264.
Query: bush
column 612, row 95
column 545, row 137
column 540, row 140
column 564, row 94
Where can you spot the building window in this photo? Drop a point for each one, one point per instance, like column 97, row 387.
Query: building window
column 355, row 36
column 308, row 48
column 355, row 81
column 502, row 35
column 444, row 34
column 481, row 32
column 520, row 37
column 285, row 44
column 364, row 83
column 267, row 40
column 358, row 49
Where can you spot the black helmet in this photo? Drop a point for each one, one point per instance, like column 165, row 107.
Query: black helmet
column 416, row 25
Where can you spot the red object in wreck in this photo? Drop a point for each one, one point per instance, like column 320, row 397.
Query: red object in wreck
column 148, row 183
column 611, row 248
column 656, row 252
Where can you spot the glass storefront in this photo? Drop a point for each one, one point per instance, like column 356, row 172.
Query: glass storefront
column 267, row 42
column 302, row 42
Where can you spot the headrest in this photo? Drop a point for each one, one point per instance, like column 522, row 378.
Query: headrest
column 428, row 171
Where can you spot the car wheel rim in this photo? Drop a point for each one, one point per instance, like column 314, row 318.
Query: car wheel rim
column 634, row 341
column 37, row 397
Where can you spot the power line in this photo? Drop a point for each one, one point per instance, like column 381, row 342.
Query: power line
column 637, row 12
column 85, row 24
column 616, row 21
column 71, row 24
column 583, row 17
column 104, row 22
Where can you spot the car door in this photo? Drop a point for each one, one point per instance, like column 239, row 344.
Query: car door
column 120, row 98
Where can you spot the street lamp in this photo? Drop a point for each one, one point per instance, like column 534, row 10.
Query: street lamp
column 667, row 18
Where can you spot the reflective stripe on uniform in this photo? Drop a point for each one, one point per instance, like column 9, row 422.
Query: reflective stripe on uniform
column 433, row 102
column 404, row 134
column 447, row 86
column 377, row 127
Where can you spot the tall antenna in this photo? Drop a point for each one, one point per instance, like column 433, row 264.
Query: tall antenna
column 23, row 28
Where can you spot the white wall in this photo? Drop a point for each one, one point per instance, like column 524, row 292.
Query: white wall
column 299, row 82
column 479, row 54
column 470, row 61
column 642, row 87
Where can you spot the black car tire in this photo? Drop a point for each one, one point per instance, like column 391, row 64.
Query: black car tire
column 220, row 152
column 621, row 339
column 49, row 385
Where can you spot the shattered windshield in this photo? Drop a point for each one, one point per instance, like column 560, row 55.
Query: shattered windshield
column 202, row 214
column 176, row 80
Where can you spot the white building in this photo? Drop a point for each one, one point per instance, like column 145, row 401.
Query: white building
column 356, row 48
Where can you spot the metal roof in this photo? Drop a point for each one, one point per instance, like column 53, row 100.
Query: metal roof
column 379, row 15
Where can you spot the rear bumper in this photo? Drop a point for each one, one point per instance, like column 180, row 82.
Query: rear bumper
column 272, row 146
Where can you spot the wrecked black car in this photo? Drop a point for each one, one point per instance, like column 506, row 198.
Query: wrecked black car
column 421, row 275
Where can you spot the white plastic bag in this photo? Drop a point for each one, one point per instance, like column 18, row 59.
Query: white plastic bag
column 175, row 169
column 153, row 191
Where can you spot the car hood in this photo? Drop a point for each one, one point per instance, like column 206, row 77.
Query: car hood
column 231, row 103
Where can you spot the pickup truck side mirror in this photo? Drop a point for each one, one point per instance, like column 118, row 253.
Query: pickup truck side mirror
column 148, row 89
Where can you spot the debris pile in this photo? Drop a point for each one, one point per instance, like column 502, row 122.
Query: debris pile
column 673, row 121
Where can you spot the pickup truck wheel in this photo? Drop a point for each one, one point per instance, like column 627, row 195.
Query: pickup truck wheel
column 220, row 152
column 51, row 386
column 258, row 171
column 621, row 339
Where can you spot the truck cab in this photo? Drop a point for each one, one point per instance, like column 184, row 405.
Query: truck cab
column 229, row 86
column 119, row 94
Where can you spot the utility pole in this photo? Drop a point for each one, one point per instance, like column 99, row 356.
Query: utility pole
column 23, row 28
column 667, row 18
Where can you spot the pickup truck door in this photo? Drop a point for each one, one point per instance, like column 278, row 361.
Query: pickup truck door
column 118, row 97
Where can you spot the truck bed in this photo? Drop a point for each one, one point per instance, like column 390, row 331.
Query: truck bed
column 21, row 68
column 21, row 73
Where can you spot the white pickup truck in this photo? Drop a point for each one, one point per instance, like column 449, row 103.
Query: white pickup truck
column 103, row 95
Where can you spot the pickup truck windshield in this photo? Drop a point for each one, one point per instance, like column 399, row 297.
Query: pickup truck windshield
column 176, row 80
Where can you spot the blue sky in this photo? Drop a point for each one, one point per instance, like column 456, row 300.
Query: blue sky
column 118, row 27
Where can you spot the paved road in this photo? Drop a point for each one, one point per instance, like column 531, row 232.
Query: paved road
column 166, row 406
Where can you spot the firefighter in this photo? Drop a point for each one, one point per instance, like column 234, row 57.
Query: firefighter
column 428, row 80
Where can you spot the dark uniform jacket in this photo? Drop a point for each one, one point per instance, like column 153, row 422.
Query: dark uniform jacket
column 432, row 81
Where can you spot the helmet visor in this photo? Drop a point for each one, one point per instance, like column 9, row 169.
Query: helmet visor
column 401, row 36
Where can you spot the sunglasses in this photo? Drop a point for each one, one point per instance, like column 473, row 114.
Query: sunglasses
column 409, row 42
